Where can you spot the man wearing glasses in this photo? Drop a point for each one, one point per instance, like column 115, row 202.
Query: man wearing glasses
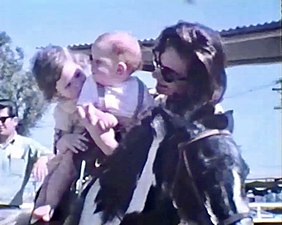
column 21, row 160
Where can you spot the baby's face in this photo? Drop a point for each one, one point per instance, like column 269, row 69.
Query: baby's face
column 104, row 65
column 71, row 81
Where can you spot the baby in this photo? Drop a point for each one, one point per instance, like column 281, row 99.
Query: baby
column 115, row 56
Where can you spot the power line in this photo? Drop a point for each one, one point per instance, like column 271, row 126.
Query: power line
column 254, row 89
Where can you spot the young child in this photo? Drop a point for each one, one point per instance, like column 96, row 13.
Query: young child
column 115, row 56
column 61, row 75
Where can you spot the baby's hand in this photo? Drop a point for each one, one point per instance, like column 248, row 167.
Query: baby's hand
column 107, row 121
column 87, row 114
column 91, row 116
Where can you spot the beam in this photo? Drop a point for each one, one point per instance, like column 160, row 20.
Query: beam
column 259, row 44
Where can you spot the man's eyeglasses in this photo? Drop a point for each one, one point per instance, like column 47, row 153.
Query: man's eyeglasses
column 168, row 74
column 4, row 118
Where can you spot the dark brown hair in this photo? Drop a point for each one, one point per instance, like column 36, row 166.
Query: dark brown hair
column 48, row 64
column 203, row 47
column 47, row 68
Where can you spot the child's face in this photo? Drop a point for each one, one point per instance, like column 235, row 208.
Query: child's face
column 104, row 65
column 71, row 81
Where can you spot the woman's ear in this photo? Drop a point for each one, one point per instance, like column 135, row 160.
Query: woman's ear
column 121, row 68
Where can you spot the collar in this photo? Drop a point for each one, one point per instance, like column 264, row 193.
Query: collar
column 202, row 122
column 9, row 141
column 68, row 106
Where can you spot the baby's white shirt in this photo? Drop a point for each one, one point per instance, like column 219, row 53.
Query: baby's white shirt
column 121, row 100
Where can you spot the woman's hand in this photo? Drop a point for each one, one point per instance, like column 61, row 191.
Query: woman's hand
column 73, row 142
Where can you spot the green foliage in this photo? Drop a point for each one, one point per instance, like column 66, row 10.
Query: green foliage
column 19, row 85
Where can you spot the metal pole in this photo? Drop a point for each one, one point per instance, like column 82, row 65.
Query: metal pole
column 280, row 91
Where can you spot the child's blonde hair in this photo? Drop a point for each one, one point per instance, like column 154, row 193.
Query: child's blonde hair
column 48, row 64
column 125, row 46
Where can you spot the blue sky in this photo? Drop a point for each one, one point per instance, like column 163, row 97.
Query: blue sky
column 34, row 23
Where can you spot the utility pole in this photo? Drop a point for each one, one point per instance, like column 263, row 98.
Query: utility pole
column 279, row 90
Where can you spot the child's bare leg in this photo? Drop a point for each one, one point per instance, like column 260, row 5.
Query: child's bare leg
column 61, row 179
column 52, row 165
column 41, row 198
column 39, row 212
column 58, row 183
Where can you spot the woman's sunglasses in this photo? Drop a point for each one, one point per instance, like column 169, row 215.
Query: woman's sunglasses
column 168, row 74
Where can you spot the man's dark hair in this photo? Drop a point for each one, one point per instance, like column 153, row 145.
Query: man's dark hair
column 12, row 107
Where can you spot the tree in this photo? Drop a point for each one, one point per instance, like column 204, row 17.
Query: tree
column 19, row 85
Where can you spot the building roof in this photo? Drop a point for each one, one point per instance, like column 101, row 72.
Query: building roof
column 252, row 44
column 268, row 26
